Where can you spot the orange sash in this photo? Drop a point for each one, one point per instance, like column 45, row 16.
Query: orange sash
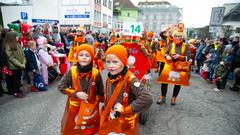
column 126, row 124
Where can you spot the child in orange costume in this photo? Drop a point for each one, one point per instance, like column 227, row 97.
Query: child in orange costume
column 98, row 62
column 84, row 87
column 124, row 98
column 78, row 40
column 173, row 72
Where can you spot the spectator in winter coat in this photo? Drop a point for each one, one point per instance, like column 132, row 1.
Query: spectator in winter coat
column 16, row 62
column 221, row 74
column 236, row 63
column 3, row 59
column 221, row 47
column 33, row 64
column 89, row 39
column 199, row 56
column 44, row 58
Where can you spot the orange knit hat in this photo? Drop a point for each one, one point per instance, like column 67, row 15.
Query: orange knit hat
column 120, row 51
column 86, row 47
column 96, row 44
column 150, row 34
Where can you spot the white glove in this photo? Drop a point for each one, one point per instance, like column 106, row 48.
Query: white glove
column 82, row 95
column 117, row 110
column 168, row 58
column 118, row 107
column 190, row 61
column 101, row 105
column 176, row 56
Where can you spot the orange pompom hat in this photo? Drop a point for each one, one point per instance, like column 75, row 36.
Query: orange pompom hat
column 96, row 44
column 150, row 34
column 120, row 51
column 86, row 47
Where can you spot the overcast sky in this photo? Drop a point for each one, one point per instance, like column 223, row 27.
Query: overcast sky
column 196, row 13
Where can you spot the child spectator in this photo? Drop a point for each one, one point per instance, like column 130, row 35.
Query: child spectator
column 56, row 56
column 221, row 72
column 33, row 64
column 44, row 58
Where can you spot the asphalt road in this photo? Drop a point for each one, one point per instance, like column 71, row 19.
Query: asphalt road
column 199, row 111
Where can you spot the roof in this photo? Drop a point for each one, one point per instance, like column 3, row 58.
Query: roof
column 124, row 4
column 163, row 2
column 233, row 15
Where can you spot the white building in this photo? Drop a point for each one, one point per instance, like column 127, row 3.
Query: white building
column 232, row 16
column 156, row 15
column 94, row 14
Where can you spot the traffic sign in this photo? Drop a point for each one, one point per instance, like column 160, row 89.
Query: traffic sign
column 132, row 28
column 24, row 15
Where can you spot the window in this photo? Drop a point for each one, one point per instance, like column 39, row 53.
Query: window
column 109, row 20
column 237, row 30
column 154, row 17
column 97, row 16
column 154, row 26
column 110, row 4
column 98, row 1
column 147, row 17
column 128, row 14
column 105, row 3
column 104, row 20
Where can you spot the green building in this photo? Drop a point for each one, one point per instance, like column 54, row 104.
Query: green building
column 124, row 10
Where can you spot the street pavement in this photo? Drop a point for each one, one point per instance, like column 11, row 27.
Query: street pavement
column 199, row 111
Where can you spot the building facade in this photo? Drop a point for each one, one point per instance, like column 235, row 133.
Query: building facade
column 232, row 17
column 124, row 11
column 155, row 16
column 96, row 15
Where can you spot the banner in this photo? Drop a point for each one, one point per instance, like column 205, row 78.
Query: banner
column 138, row 63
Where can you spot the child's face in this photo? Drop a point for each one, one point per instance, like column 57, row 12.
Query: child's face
column 33, row 47
column 84, row 58
column 114, row 64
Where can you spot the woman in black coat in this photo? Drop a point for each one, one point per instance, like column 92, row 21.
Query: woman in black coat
column 3, row 58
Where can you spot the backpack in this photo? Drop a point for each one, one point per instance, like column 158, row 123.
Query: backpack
column 39, row 82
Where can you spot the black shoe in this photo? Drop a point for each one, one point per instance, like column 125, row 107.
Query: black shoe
column 1, row 94
column 19, row 95
column 161, row 100
column 234, row 88
column 10, row 93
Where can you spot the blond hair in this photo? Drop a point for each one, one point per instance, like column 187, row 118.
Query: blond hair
column 31, row 43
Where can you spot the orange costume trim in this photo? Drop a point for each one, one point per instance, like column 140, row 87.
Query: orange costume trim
column 77, row 42
column 163, row 47
column 98, row 62
column 112, row 41
column 76, row 107
column 176, row 73
column 127, row 122
column 153, row 59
